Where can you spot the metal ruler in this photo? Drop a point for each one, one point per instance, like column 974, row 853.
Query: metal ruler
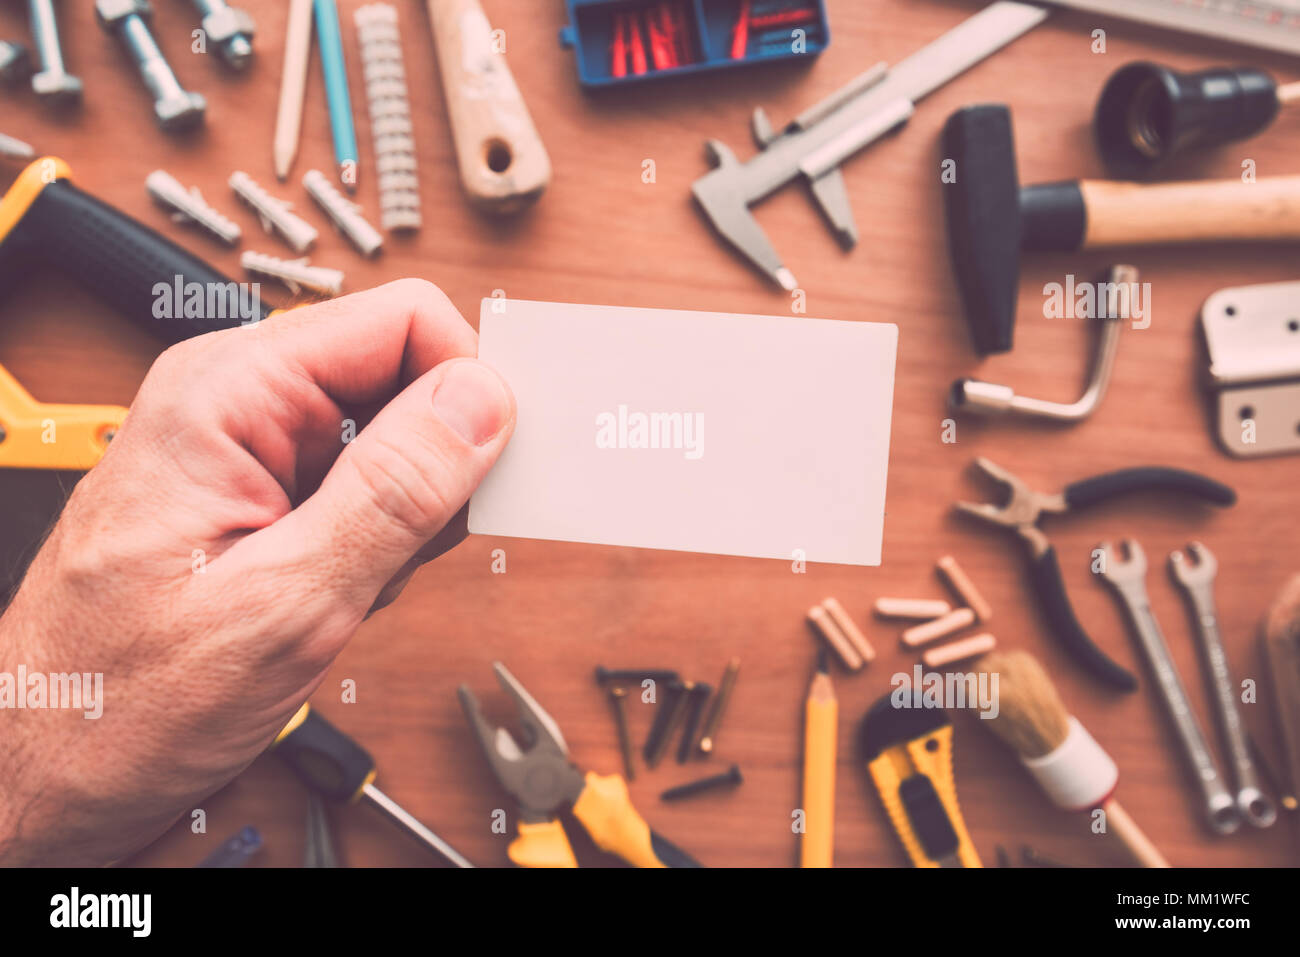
column 1269, row 24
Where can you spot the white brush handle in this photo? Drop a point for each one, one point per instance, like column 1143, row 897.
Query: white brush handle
column 1125, row 828
column 1078, row 774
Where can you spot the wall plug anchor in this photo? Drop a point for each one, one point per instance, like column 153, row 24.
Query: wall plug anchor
column 273, row 213
column 13, row 148
column 390, row 115
column 345, row 214
column 189, row 206
column 297, row 274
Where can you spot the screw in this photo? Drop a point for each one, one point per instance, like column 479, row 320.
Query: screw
column 667, row 715
column 635, row 675
column 618, row 698
column 719, row 706
column 174, row 107
column 52, row 82
column 230, row 29
column 699, row 696
column 729, row 777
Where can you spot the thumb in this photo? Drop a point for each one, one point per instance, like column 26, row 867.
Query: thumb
column 395, row 485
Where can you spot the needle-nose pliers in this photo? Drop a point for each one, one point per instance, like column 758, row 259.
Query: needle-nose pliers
column 1023, row 508
column 544, row 781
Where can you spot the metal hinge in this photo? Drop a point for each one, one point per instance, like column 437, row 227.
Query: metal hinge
column 1253, row 337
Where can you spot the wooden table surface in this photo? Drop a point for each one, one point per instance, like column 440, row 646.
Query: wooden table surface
column 602, row 235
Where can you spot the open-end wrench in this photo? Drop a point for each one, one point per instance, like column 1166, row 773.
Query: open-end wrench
column 1127, row 575
column 1196, row 578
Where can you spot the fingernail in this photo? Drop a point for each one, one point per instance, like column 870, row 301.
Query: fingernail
column 472, row 400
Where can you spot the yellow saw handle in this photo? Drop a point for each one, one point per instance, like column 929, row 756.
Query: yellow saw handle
column 43, row 435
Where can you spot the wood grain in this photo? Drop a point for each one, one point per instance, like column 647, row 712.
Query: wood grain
column 602, row 235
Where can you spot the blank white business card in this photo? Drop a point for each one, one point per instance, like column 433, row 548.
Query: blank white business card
column 763, row 436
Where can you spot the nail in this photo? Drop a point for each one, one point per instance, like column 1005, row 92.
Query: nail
column 472, row 400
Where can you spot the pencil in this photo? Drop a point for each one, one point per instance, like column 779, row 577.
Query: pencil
column 293, row 84
column 821, row 718
column 329, row 36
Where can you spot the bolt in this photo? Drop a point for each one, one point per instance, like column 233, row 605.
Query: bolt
column 52, row 82
column 174, row 107
column 729, row 777
column 667, row 715
column 231, row 29
column 637, row 675
column 719, row 706
column 694, row 711
column 618, row 698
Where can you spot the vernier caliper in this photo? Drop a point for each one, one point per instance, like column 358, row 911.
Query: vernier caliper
column 816, row 141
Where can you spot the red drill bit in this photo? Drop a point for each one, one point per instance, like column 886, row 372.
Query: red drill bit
column 740, row 37
column 634, row 40
column 618, row 48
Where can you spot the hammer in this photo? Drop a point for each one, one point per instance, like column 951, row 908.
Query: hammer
column 991, row 217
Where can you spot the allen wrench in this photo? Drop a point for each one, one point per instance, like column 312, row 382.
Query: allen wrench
column 990, row 398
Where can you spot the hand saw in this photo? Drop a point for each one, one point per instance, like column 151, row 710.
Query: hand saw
column 908, row 751
column 45, row 448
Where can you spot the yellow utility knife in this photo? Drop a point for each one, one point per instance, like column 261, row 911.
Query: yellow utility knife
column 544, row 782
column 908, row 751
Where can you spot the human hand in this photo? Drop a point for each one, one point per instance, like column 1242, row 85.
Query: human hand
column 227, row 546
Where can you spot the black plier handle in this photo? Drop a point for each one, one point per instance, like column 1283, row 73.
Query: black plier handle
column 1021, row 512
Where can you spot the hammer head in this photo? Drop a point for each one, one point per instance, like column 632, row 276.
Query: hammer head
column 984, row 228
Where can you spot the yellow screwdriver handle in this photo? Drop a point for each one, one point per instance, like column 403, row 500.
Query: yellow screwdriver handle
column 542, row 845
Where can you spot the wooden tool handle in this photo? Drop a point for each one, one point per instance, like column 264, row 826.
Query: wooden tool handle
column 503, row 164
column 1120, row 214
column 1125, row 828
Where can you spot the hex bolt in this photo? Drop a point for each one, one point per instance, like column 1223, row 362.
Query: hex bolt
column 230, row 28
column 730, row 777
column 618, row 700
column 174, row 107
column 52, row 83
column 669, row 710
column 636, row 675
column 694, row 713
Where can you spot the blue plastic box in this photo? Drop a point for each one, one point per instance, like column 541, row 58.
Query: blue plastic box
column 710, row 26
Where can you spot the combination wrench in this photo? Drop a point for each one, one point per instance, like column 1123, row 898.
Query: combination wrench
column 1196, row 578
column 1127, row 576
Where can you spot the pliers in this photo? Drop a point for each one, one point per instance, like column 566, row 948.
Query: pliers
column 1024, row 507
column 544, row 781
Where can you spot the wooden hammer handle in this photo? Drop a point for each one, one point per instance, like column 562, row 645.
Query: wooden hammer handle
column 1119, row 214
column 503, row 164
column 1125, row 828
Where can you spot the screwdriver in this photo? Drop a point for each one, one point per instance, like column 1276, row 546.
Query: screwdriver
column 335, row 766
